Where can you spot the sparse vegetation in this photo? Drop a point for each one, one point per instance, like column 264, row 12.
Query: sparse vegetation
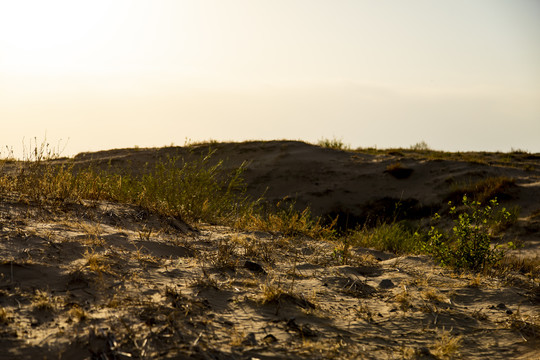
column 225, row 257
column 434, row 296
column 342, row 251
column 271, row 292
column 527, row 325
column 403, row 298
column 420, row 152
column 195, row 190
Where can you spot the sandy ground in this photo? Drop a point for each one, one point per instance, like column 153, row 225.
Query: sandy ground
column 111, row 281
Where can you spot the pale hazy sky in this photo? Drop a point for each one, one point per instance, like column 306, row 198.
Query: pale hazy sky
column 458, row 74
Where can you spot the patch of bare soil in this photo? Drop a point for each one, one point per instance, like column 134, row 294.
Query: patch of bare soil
column 111, row 281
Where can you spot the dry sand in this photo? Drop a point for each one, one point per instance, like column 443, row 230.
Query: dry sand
column 112, row 281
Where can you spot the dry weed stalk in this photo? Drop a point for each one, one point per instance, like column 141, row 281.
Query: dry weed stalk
column 96, row 262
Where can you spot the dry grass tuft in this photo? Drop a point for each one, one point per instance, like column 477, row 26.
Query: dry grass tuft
column 43, row 302
column 286, row 220
column 78, row 313
column 237, row 336
column 96, row 262
column 434, row 296
column 447, row 345
column 271, row 292
column 476, row 281
column 4, row 316
column 394, row 237
column 225, row 257
column 323, row 349
column 404, row 298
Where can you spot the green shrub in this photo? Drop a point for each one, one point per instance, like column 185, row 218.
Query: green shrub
column 468, row 244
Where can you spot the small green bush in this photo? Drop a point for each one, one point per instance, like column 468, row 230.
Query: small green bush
column 468, row 245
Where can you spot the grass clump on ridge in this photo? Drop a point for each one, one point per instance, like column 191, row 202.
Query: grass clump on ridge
column 334, row 143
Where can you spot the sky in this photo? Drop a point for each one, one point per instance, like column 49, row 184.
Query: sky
column 460, row 75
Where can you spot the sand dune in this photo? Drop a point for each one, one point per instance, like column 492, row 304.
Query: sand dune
column 357, row 185
column 114, row 281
